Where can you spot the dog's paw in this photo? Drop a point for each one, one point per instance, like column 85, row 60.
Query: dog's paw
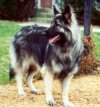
column 50, row 101
column 22, row 94
column 36, row 91
column 68, row 104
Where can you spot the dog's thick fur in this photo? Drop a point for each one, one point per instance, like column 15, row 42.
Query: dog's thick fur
column 54, row 50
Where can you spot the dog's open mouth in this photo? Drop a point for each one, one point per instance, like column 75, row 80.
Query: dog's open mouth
column 55, row 39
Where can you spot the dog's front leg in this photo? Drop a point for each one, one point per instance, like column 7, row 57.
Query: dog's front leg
column 48, row 81
column 65, row 88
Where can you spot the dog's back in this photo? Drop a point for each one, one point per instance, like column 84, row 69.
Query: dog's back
column 29, row 44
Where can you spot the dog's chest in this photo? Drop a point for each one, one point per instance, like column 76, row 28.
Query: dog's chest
column 61, row 63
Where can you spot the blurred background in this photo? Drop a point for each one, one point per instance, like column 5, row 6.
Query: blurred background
column 41, row 10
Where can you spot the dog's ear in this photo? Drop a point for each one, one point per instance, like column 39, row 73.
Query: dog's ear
column 56, row 10
column 67, row 14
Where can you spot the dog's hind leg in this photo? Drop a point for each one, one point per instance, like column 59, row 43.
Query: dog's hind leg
column 30, row 83
column 19, row 80
column 65, row 87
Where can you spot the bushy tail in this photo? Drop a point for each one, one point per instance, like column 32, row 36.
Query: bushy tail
column 11, row 73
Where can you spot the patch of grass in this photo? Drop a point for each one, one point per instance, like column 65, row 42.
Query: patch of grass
column 41, row 20
column 96, row 37
column 97, row 45
column 7, row 31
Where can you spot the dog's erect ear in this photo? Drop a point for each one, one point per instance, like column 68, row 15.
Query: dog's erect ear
column 67, row 14
column 56, row 10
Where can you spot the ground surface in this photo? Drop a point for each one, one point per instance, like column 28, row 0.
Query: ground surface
column 84, row 92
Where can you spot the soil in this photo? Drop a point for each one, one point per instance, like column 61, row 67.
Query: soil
column 84, row 92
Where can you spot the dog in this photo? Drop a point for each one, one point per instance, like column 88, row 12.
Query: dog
column 55, row 50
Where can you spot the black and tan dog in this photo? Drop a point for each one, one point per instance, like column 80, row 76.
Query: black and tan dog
column 54, row 50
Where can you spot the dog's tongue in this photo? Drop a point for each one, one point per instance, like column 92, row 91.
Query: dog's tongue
column 54, row 39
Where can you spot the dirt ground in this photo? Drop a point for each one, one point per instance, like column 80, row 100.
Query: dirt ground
column 84, row 92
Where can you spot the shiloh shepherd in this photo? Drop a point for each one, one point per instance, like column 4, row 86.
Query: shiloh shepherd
column 54, row 50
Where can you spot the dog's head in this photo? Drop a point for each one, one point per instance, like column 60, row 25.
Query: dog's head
column 59, row 32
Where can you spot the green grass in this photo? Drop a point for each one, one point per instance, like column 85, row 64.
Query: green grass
column 97, row 45
column 7, row 31
column 41, row 20
column 42, row 10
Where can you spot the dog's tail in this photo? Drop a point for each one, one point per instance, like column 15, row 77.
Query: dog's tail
column 12, row 61
column 11, row 73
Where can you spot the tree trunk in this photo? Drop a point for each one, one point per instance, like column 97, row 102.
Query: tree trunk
column 88, row 64
column 87, row 17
